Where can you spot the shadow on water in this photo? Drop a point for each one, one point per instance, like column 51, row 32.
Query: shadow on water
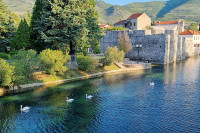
column 121, row 103
column 170, row 5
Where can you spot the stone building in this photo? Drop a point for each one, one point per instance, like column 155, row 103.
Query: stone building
column 193, row 38
column 194, row 35
column 139, row 21
column 162, row 48
column 177, row 25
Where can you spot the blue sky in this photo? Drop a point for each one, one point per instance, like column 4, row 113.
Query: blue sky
column 124, row 2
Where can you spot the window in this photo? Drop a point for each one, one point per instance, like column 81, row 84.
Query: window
column 130, row 24
column 134, row 23
column 125, row 25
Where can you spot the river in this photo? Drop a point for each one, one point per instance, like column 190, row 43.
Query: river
column 120, row 103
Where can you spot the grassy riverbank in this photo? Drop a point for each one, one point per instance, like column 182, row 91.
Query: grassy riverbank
column 43, row 78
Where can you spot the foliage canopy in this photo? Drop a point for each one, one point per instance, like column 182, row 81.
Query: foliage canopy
column 6, row 73
column 53, row 61
column 112, row 55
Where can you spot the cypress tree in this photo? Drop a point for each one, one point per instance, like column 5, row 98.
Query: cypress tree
column 21, row 39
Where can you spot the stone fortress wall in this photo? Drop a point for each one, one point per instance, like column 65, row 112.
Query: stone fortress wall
column 161, row 48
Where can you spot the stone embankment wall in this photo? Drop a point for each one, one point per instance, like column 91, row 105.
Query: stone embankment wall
column 162, row 48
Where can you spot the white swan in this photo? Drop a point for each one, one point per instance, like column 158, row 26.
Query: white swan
column 69, row 100
column 152, row 83
column 88, row 96
column 25, row 108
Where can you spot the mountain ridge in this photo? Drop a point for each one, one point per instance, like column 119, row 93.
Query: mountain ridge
column 157, row 10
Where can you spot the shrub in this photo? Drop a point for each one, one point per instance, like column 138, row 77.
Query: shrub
column 13, row 53
column 25, row 63
column 53, row 61
column 106, row 61
column 6, row 73
column 5, row 56
column 116, row 28
column 86, row 63
column 112, row 55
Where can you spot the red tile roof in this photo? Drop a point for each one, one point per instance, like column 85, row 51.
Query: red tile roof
column 106, row 26
column 102, row 26
column 131, row 17
column 190, row 32
column 135, row 15
column 120, row 22
column 166, row 22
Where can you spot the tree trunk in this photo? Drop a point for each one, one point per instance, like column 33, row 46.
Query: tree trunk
column 73, row 54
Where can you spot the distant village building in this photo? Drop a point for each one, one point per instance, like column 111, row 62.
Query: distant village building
column 193, row 35
column 105, row 26
column 171, row 25
column 139, row 21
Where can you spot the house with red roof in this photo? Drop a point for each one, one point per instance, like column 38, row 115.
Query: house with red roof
column 139, row 21
column 192, row 35
column 105, row 26
column 177, row 25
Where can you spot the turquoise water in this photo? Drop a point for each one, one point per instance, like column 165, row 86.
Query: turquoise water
column 121, row 103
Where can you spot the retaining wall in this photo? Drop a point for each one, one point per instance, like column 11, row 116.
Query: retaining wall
column 162, row 48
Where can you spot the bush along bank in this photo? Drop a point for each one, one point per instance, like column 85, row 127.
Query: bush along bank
column 28, row 70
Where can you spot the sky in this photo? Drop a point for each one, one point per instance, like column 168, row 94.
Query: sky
column 124, row 2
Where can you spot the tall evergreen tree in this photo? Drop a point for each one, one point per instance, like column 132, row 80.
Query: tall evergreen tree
column 63, row 23
column 21, row 39
column 36, row 40
column 95, row 33
column 67, row 22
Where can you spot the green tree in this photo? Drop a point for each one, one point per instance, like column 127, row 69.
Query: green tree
column 64, row 23
column 25, row 62
column 36, row 41
column 6, row 73
column 193, row 27
column 53, row 61
column 7, row 26
column 21, row 39
column 95, row 33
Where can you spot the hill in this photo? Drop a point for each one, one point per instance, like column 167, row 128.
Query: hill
column 157, row 10
column 20, row 6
